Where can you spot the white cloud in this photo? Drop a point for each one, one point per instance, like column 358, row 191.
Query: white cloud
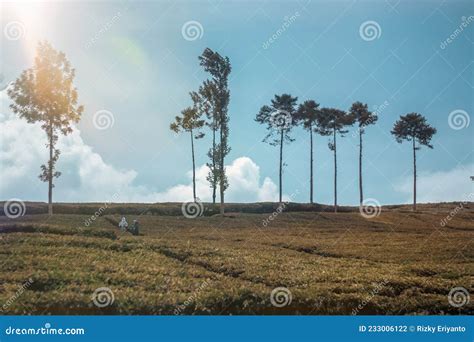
column 441, row 186
column 87, row 177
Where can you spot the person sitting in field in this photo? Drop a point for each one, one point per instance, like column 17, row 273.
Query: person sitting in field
column 123, row 225
column 135, row 228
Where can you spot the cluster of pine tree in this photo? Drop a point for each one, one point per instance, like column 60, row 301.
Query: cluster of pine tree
column 283, row 114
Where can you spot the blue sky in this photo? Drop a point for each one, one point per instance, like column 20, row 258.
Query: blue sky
column 132, row 60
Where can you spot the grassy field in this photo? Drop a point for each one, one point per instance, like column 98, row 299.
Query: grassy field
column 399, row 262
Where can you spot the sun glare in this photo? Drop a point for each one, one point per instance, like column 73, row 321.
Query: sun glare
column 29, row 21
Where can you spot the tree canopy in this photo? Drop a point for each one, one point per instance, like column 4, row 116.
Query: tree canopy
column 279, row 118
column 413, row 126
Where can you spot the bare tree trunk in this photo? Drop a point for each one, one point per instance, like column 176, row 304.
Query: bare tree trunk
column 335, row 173
column 361, row 194
column 214, row 180
column 281, row 164
column 311, row 165
column 414, row 175
column 50, row 173
column 222, row 171
column 194, row 166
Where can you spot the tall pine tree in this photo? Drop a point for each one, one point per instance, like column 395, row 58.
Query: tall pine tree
column 414, row 127
column 310, row 117
column 335, row 122
column 279, row 117
column 364, row 118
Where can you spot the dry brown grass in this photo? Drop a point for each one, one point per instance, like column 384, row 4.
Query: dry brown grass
column 398, row 263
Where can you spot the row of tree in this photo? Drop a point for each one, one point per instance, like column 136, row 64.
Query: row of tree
column 209, row 108
column 45, row 94
column 283, row 114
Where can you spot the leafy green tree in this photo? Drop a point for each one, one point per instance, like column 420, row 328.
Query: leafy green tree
column 207, row 101
column 45, row 94
column 190, row 121
column 414, row 127
column 219, row 67
column 364, row 118
column 280, row 118
column 310, row 117
column 334, row 122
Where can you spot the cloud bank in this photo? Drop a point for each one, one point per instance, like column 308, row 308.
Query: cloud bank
column 441, row 186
